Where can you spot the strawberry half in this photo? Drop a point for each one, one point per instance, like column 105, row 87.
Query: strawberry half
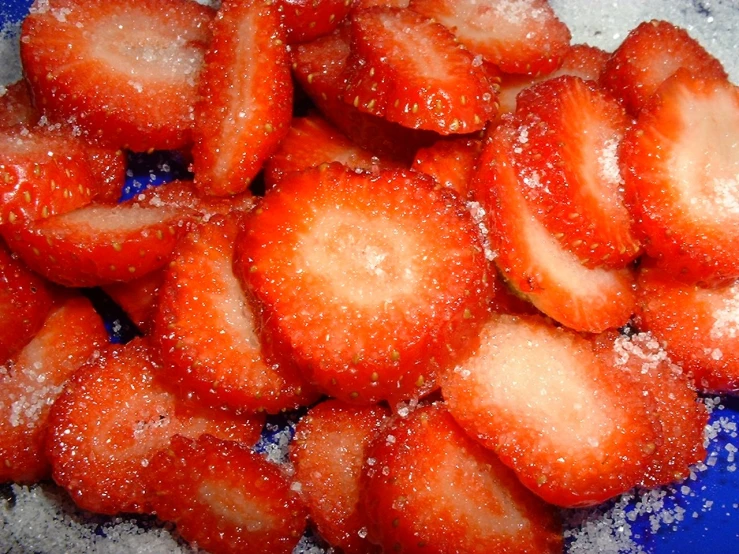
column 16, row 106
column 306, row 20
column 429, row 488
column 451, row 162
column 246, row 95
column 576, row 430
column 680, row 165
column 98, row 65
column 371, row 283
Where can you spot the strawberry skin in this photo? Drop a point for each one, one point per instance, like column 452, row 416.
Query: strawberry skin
column 451, row 162
column 306, row 20
column 138, row 298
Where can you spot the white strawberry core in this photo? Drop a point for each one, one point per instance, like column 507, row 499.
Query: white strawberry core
column 235, row 506
column 122, row 218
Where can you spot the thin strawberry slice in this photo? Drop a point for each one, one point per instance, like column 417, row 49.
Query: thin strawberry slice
column 451, row 162
column 410, row 70
column 650, row 54
column 99, row 66
column 306, row 20
column 246, row 95
column 225, row 498
column 576, row 430
column 207, row 333
column 110, row 420
column 138, row 298
column 32, row 379
column 16, row 106
column 567, row 152
column 429, row 488
column 371, row 283
column 680, row 164
column 532, row 261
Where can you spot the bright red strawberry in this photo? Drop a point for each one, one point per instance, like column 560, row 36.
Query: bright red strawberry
column 360, row 4
column 111, row 419
column 16, row 106
column 507, row 301
column 650, row 54
column 410, row 70
column 328, row 452
column 429, row 488
column 532, row 261
column 31, row 380
column 451, row 162
column 245, row 97
column 680, row 165
column 306, row 20
column 225, row 498
column 576, row 430
column 138, row 298
column 371, row 283
column 108, row 166
column 519, row 36
column 207, row 334
column 98, row 65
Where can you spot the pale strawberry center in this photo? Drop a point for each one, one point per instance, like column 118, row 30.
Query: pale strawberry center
column 120, row 219
column 235, row 506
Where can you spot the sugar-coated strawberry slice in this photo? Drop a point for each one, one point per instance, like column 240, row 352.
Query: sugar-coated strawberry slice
column 246, row 97
column 16, row 106
column 360, row 4
column 98, row 65
column 138, row 298
column 371, row 283
column 108, row 166
column 207, row 333
column 451, row 162
column 429, row 488
column 225, row 498
column 113, row 416
column 569, row 131
column 698, row 326
column 682, row 415
column 328, row 453
column 575, row 429
column 31, row 380
column 680, row 165
column 409, row 69
column 519, row 36
column 532, row 261
column 306, row 20
column 651, row 53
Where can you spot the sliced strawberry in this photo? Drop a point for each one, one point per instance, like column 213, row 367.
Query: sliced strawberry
column 410, row 70
column 306, row 20
column 519, row 36
column 429, row 488
column 32, row 379
column 245, row 97
column 508, row 301
column 108, row 166
column 576, row 430
column 16, row 106
column 328, row 452
column 567, row 152
column 207, row 333
column 680, row 164
column 110, row 420
column 650, row 54
column 225, row 498
column 371, row 283
column 451, row 162
column 532, row 261
column 360, row 4
column 138, row 298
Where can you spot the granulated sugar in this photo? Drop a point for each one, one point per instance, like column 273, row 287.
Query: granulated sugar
column 10, row 65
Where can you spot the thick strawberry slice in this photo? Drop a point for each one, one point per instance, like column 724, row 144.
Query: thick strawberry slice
column 138, row 298
column 429, row 488
column 451, row 162
column 31, row 380
column 576, row 430
column 16, row 106
column 519, row 36
column 110, row 420
column 328, row 452
column 410, row 70
column 207, row 333
column 532, row 261
column 245, row 97
column 680, row 164
column 99, row 66
column 372, row 283
column 306, row 20
column 225, row 498
column 569, row 131
column 650, row 54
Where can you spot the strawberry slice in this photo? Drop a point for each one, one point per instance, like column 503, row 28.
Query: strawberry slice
column 567, row 152
column 650, row 54
column 207, row 334
column 225, row 498
column 519, row 36
column 410, row 70
column 371, row 283
column 108, row 166
column 16, row 106
column 576, row 430
column 110, row 420
column 429, row 488
column 532, row 261
column 32, row 379
column 681, row 169
column 245, row 102
column 306, row 20
column 451, row 162
column 98, row 65
column 328, row 452
column 138, row 298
